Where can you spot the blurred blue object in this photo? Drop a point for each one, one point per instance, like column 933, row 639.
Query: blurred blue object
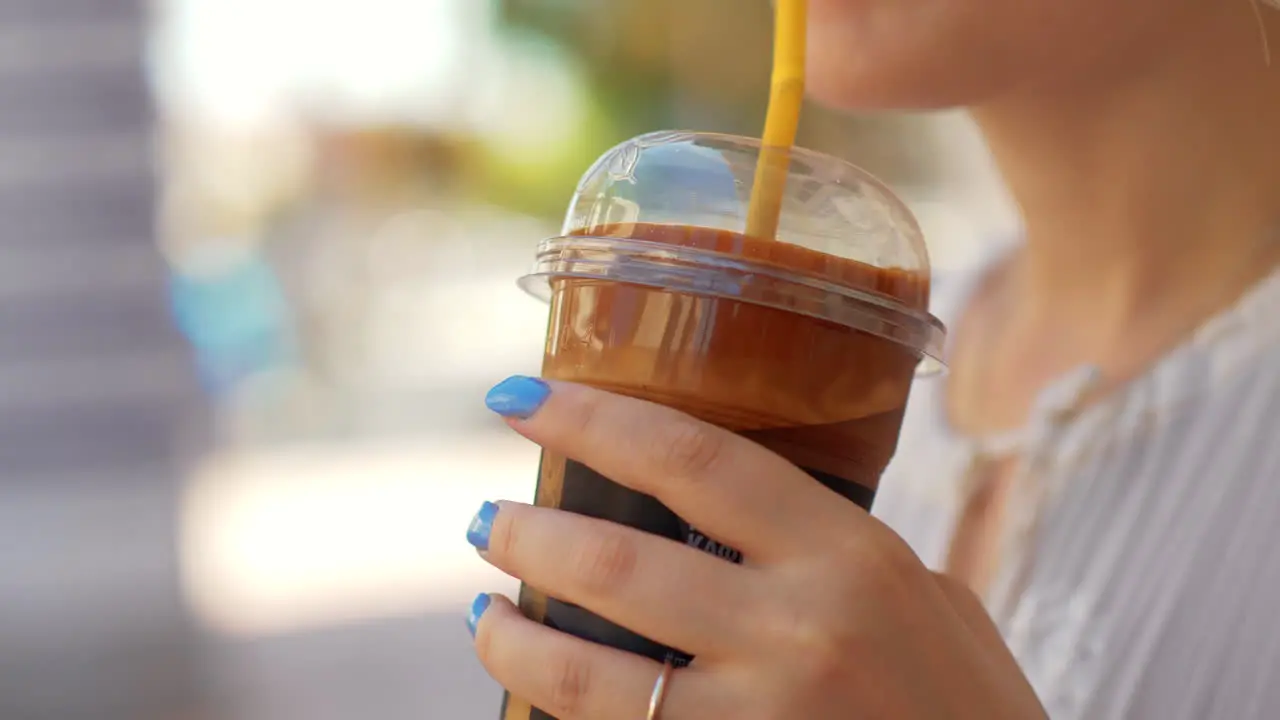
column 237, row 319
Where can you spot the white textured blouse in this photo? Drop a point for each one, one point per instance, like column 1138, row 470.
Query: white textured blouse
column 1139, row 571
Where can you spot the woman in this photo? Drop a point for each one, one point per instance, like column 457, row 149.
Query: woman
column 1100, row 466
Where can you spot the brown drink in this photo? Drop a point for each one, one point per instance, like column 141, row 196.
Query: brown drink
column 767, row 347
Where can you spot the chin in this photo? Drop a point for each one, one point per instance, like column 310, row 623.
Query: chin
column 870, row 55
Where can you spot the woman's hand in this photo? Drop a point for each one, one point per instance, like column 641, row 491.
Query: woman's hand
column 831, row 616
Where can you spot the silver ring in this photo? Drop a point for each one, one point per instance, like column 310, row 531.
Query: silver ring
column 660, row 691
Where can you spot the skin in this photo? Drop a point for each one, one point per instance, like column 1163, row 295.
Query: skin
column 833, row 617
column 1141, row 140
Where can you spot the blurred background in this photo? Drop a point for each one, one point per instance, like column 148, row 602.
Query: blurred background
column 257, row 263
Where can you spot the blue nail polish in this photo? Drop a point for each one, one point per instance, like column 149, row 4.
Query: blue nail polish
column 477, row 610
column 481, row 526
column 517, row 397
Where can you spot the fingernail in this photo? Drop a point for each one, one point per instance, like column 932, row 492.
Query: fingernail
column 517, row 397
column 482, row 526
column 477, row 610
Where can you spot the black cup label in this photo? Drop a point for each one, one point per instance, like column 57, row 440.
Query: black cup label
column 589, row 493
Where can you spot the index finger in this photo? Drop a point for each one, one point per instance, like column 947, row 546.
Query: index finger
column 730, row 488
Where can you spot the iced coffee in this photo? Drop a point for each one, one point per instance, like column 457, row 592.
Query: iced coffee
column 806, row 343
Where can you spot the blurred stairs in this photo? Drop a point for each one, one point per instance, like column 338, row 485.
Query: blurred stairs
column 98, row 411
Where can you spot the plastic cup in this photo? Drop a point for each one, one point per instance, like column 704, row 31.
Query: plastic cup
column 806, row 343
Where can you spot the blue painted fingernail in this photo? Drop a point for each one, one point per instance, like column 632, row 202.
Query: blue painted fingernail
column 481, row 526
column 478, row 607
column 517, row 397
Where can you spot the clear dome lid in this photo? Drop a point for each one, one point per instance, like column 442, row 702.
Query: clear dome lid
column 670, row 210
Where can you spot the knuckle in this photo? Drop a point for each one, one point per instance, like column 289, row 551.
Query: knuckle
column 489, row 648
column 824, row 663
column 826, row 657
column 584, row 413
column 687, row 449
column 569, row 685
column 896, row 571
column 821, row 641
column 505, row 537
column 605, row 561
column 821, row 646
column 879, row 562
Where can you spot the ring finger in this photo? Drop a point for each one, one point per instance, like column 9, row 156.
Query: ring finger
column 572, row 679
column 663, row 590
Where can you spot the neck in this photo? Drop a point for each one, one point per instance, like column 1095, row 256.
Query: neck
column 1153, row 193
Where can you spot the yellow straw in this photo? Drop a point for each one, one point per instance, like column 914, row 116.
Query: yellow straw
column 785, row 99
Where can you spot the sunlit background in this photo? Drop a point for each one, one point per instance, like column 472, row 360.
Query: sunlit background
column 257, row 269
